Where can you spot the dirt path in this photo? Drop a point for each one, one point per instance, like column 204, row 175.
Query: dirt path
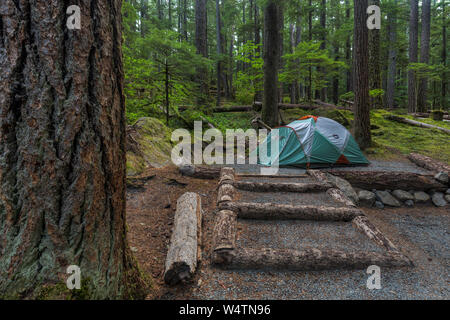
column 422, row 233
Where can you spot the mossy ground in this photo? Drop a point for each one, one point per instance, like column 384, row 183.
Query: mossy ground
column 390, row 139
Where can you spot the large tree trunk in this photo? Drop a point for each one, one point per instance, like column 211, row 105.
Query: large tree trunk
column 361, row 76
column 413, row 38
column 62, row 147
column 201, row 36
column 424, row 55
column 392, row 57
column 272, row 27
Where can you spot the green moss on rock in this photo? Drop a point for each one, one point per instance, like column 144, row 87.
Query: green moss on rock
column 149, row 145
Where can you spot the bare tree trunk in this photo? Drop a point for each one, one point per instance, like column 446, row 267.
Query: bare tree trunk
column 413, row 39
column 201, row 36
column 272, row 27
column 323, row 24
column 424, row 55
column 219, row 51
column 361, row 106
column 444, row 59
column 348, row 50
column 374, row 62
column 62, row 147
column 392, row 67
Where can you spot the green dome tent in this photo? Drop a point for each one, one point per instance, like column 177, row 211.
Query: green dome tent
column 312, row 141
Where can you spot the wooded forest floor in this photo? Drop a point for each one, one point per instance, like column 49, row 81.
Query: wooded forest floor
column 421, row 233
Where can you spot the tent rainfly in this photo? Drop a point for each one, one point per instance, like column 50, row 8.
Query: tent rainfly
column 312, row 141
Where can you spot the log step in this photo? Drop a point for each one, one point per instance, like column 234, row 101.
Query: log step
column 281, row 187
column 310, row 259
column 271, row 211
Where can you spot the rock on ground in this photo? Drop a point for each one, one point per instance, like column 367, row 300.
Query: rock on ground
column 421, row 197
column 409, row 203
column 442, row 177
column 438, row 199
column 344, row 186
column 402, row 195
column 387, row 199
column 366, row 198
column 379, row 204
column 447, row 197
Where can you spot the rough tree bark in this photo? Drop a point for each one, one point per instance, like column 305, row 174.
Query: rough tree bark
column 392, row 57
column 201, row 36
column 374, row 62
column 413, row 38
column 272, row 29
column 361, row 76
column 424, row 55
column 62, row 149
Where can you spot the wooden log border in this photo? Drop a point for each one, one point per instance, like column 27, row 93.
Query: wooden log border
column 227, row 256
column 270, row 211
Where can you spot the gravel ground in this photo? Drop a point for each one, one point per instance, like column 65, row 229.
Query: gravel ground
column 303, row 234
column 423, row 242
column 292, row 198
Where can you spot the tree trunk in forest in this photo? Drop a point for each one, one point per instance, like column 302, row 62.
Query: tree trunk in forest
column 62, row 147
column 219, row 52
column 413, row 39
column 336, row 56
column 201, row 36
column 272, row 28
column 322, row 93
column 361, row 108
column 374, row 62
column 424, row 55
column 348, row 50
column 392, row 58
column 444, row 60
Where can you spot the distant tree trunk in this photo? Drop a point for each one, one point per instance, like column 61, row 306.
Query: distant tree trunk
column 310, row 14
column 444, row 59
column 281, row 52
column 62, row 147
column 323, row 24
column 374, row 62
column 272, row 28
column 392, row 57
column 298, row 39
column 348, row 50
column 219, row 51
column 413, row 39
column 424, row 55
column 159, row 10
column 201, row 36
column 336, row 56
column 144, row 17
column 185, row 24
column 293, row 86
column 361, row 107
column 257, row 35
column 170, row 14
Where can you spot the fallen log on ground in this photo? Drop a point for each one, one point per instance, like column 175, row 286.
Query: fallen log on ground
column 226, row 190
column 281, row 187
column 340, row 197
column 416, row 123
column 329, row 105
column 199, row 172
column 388, row 180
column 287, row 106
column 184, row 249
column 427, row 115
column 306, row 259
column 363, row 224
column 429, row 163
column 271, row 211
column 225, row 230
